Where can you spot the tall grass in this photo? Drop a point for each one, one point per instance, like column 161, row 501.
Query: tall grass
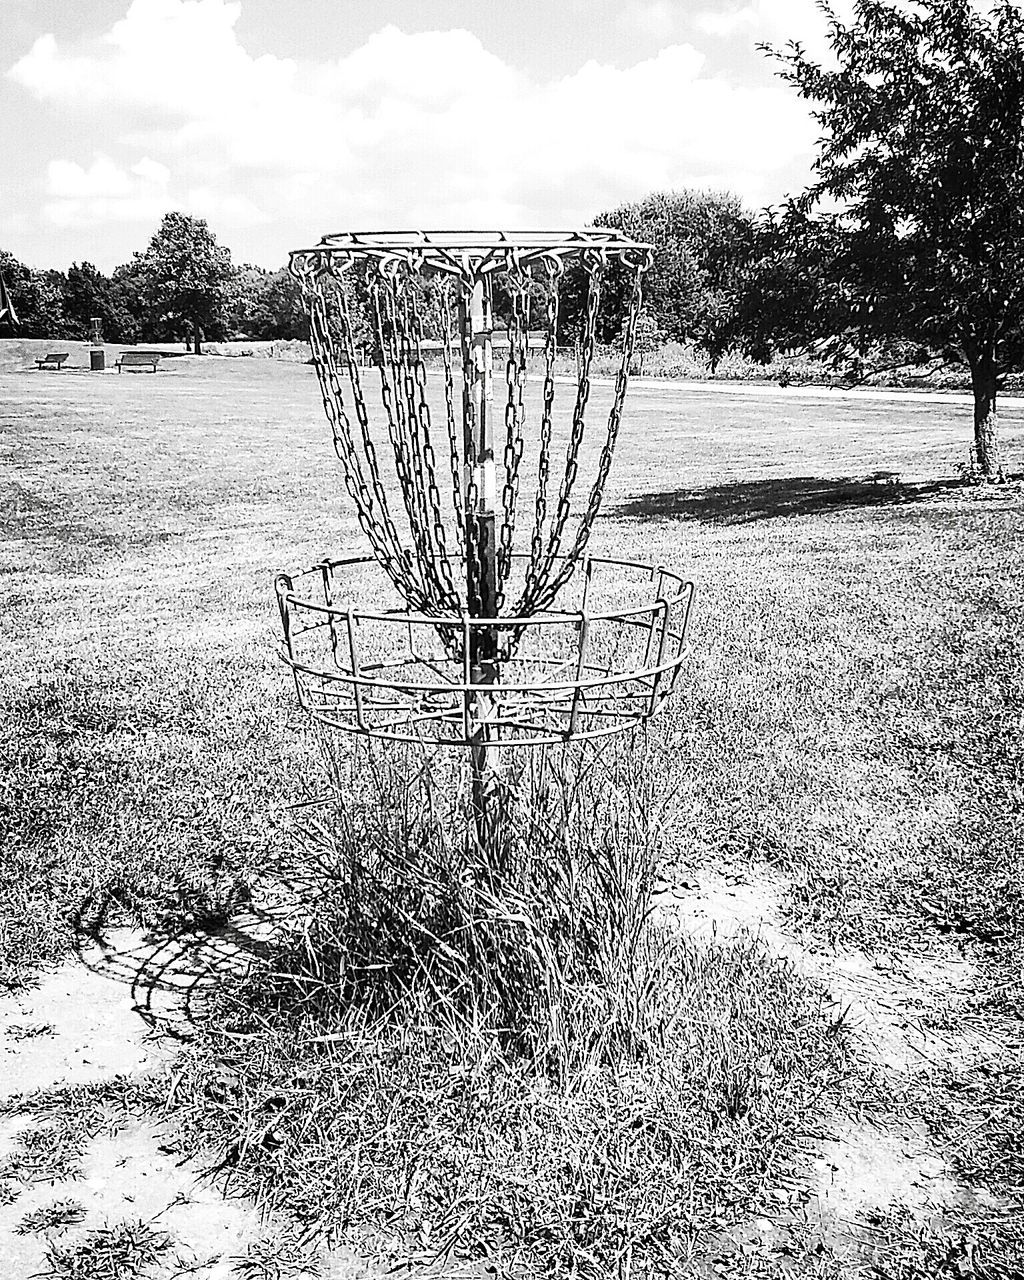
column 508, row 1057
column 537, row 946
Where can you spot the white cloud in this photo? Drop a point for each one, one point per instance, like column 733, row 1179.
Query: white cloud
column 774, row 21
column 105, row 192
column 395, row 132
column 181, row 56
column 657, row 18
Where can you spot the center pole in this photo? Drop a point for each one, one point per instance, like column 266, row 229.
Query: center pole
column 481, row 561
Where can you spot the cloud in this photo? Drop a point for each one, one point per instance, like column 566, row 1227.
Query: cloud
column 774, row 21
column 657, row 18
column 179, row 56
column 393, row 133
column 105, row 192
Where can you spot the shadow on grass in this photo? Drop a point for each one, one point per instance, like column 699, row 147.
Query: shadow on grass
column 744, row 501
column 172, row 974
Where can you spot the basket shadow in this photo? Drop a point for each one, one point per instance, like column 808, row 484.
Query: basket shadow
column 746, row 501
column 173, row 974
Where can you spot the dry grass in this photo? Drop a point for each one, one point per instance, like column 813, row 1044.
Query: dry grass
column 57, row 1216
column 510, row 1061
column 851, row 716
column 118, row 1251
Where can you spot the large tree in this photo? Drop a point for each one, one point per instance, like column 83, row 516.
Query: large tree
column 89, row 294
column 184, row 279
column 38, row 298
column 700, row 239
column 267, row 304
column 920, row 183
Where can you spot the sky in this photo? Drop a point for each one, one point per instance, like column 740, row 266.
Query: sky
column 279, row 122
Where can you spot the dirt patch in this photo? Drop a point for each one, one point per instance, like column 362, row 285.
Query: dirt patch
column 79, row 1173
column 865, row 1167
column 883, row 1001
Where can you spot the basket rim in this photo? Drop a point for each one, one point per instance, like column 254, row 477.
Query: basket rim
column 477, row 251
column 682, row 589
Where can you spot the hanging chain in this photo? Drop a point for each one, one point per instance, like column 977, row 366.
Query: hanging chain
column 471, row 489
column 428, row 563
column 454, row 452
column 555, row 581
column 515, row 417
column 553, row 274
column 392, row 370
column 374, row 517
column 432, row 495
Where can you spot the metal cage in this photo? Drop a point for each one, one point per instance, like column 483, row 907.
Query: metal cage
column 601, row 663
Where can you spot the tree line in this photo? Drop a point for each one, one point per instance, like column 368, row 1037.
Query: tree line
column 906, row 248
column 183, row 285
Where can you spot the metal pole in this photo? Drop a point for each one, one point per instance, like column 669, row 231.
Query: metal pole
column 481, row 560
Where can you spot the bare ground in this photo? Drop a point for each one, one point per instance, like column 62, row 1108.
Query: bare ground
column 117, row 1011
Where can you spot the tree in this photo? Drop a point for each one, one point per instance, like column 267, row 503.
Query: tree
column 38, row 299
column 282, row 301
column 921, row 159
column 184, row 279
column 89, row 293
column 700, row 240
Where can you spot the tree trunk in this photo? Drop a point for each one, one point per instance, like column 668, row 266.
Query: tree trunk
column 195, row 337
column 986, row 420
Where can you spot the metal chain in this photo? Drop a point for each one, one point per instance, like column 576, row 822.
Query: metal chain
column 471, row 490
column 407, row 343
column 454, row 452
column 553, row 274
column 394, row 373
column 376, row 524
column 535, row 588
column 515, row 417
column 369, row 451
column 556, row 581
column 427, row 576
column 432, row 496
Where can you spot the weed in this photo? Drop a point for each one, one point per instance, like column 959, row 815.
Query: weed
column 514, row 1063
column 56, row 1216
column 52, row 1153
column 30, row 1030
column 276, row 1257
column 123, row 1251
column 958, row 1246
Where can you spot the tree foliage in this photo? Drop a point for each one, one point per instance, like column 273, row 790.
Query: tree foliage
column 265, row 305
column 913, row 229
column 184, row 279
column 37, row 298
column 701, row 240
column 89, row 294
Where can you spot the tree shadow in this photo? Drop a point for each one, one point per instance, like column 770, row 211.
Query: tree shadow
column 744, row 501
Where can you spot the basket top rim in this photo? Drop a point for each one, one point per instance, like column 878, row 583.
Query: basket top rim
column 472, row 249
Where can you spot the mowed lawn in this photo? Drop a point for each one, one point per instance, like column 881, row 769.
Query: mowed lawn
column 852, row 696
column 850, row 716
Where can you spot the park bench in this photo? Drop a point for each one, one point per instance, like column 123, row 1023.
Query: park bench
column 55, row 360
column 138, row 360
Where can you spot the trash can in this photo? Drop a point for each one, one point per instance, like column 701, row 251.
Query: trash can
column 96, row 360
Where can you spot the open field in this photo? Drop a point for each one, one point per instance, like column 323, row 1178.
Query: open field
column 845, row 746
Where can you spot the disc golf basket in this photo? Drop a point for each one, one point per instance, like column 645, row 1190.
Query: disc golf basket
column 454, row 631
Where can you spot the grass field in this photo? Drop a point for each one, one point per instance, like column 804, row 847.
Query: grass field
column 846, row 737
